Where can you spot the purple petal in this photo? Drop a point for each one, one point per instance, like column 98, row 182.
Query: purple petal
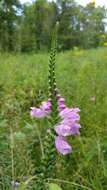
column 74, row 126
column 37, row 112
column 62, row 146
column 75, row 129
column 63, row 130
column 67, row 129
column 70, row 121
column 61, row 100
column 46, row 106
column 61, row 106
column 61, row 103
column 71, row 113
column 42, row 111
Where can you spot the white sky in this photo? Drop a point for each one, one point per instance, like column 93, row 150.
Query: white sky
column 82, row 2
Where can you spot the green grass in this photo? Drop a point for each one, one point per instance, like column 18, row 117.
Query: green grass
column 81, row 75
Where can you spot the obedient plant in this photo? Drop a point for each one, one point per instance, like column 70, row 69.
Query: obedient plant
column 64, row 122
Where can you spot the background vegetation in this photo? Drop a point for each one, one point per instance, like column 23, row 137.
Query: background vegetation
column 81, row 77
column 28, row 27
column 81, row 72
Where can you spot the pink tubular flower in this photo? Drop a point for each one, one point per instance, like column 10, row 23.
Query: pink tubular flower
column 42, row 111
column 69, row 124
column 63, row 130
column 67, row 130
column 75, row 129
column 62, row 146
column 70, row 113
column 46, row 106
column 37, row 112
column 61, row 103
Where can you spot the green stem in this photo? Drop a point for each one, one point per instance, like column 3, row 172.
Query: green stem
column 47, row 167
column 12, row 156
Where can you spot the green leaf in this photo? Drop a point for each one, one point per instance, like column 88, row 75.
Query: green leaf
column 53, row 186
column 19, row 136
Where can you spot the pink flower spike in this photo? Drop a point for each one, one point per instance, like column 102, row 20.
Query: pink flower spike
column 62, row 146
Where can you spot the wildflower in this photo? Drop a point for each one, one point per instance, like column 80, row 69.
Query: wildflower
column 62, row 146
column 67, row 129
column 37, row 112
column 69, row 124
column 63, row 130
column 71, row 113
column 42, row 111
column 61, row 103
column 46, row 106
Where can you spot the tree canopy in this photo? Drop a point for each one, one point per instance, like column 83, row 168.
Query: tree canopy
column 28, row 27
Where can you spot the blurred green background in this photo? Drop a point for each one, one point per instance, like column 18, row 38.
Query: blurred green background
column 81, row 74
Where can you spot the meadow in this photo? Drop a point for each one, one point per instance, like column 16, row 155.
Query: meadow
column 82, row 80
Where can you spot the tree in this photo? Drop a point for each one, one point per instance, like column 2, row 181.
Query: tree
column 92, row 25
column 8, row 17
column 67, row 23
column 27, row 41
column 29, row 27
column 45, row 15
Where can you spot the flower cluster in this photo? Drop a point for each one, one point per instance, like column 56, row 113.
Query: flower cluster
column 69, row 124
column 43, row 111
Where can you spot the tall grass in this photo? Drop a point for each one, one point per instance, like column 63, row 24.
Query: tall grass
column 82, row 79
